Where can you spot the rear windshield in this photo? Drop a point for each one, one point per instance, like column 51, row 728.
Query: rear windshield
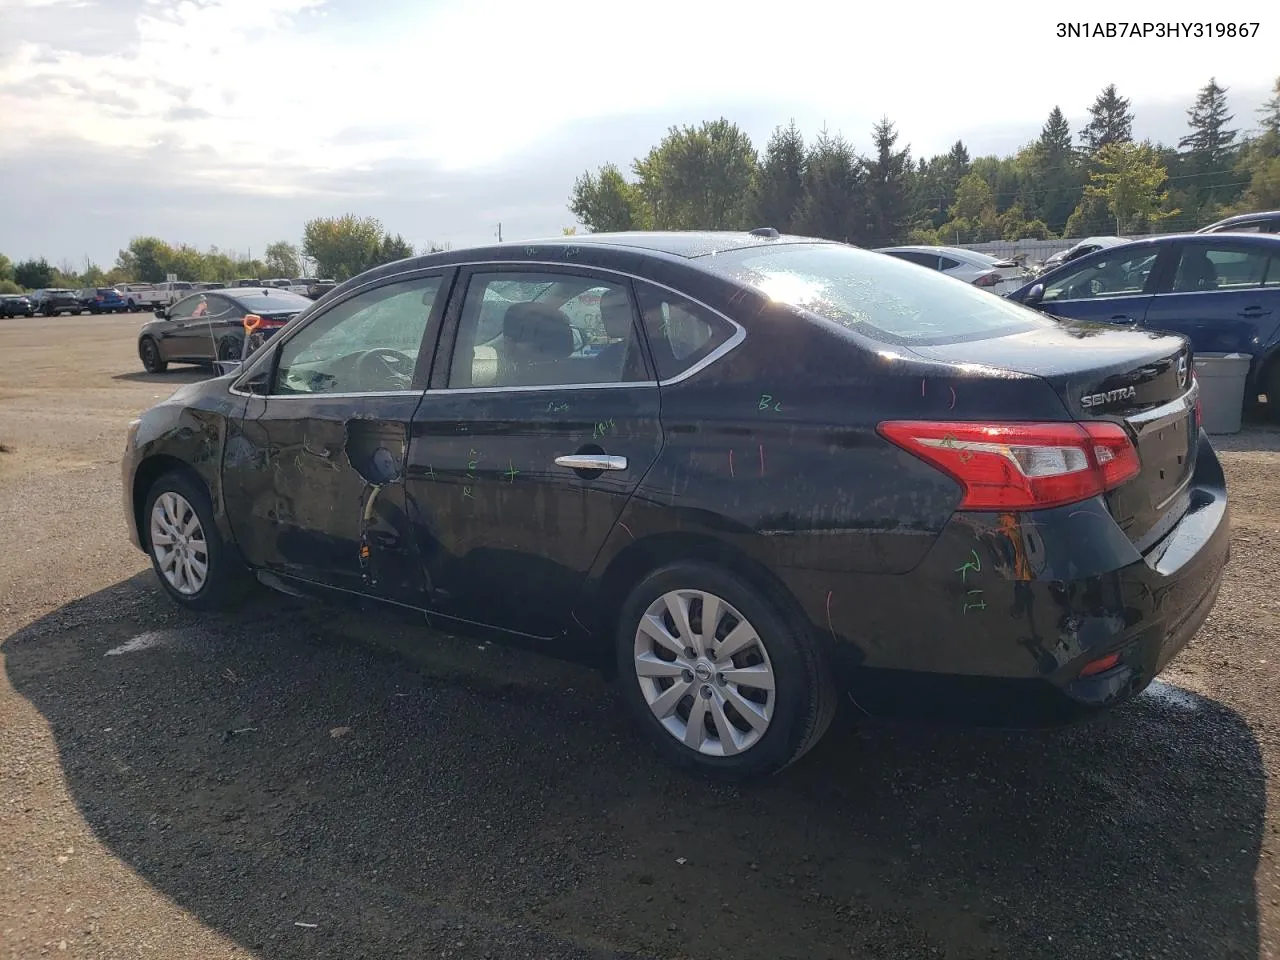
column 878, row 296
column 276, row 300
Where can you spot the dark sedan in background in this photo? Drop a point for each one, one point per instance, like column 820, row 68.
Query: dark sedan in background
column 16, row 305
column 1219, row 290
column 52, row 301
column 210, row 325
column 763, row 471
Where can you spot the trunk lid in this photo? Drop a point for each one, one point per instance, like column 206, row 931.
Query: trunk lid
column 1142, row 380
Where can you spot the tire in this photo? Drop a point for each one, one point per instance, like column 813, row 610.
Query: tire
column 179, row 502
column 131, row 306
column 228, row 349
column 149, row 354
column 795, row 713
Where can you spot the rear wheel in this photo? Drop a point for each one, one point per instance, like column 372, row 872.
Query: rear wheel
column 149, row 353
column 717, row 676
column 228, row 349
column 195, row 567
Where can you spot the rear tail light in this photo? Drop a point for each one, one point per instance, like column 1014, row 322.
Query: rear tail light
column 988, row 280
column 1021, row 466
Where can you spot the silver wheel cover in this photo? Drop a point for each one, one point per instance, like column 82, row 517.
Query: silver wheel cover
column 704, row 672
column 178, row 543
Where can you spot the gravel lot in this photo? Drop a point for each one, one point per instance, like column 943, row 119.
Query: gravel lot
column 301, row 782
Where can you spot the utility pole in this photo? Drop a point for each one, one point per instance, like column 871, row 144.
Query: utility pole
column 499, row 231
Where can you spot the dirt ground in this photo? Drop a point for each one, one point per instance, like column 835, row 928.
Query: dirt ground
column 299, row 782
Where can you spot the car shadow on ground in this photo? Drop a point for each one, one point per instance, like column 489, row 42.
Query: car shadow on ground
column 402, row 793
column 175, row 375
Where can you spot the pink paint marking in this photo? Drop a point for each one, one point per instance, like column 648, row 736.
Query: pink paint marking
column 731, row 463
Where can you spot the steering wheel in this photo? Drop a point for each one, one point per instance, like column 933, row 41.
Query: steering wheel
column 382, row 364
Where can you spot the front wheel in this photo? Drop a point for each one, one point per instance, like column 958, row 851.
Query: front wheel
column 149, row 353
column 716, row 674
column 196, row 568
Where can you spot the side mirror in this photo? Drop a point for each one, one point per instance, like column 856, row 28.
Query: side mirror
column 161, row 313
column 1034, row 295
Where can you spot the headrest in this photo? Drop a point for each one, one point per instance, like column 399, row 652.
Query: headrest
column 537, row 332
column 615, row 302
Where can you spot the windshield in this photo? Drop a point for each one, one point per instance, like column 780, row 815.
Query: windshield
column 878, row 296
column 272, row 302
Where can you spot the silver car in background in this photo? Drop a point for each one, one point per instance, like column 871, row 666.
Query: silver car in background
column 980, row 269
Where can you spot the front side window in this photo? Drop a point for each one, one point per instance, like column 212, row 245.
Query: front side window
column 185, row 309
column 1115, row 275
column 367, row 344
column 545, row 329
column 877, row 296
column 1204, row 267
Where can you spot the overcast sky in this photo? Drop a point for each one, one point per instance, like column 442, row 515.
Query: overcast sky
column 230, row 122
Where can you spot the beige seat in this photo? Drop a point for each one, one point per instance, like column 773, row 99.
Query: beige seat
column 536, row 339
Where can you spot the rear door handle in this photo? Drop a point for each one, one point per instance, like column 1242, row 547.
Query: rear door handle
column 592, row 461
column 1254, row 312
column 1122, row 318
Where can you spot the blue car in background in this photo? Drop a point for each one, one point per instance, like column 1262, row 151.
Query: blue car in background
column 102, row 300
column 1219, row 290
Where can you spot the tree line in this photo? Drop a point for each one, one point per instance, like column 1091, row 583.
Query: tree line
column 334, row 248
column 711, row 177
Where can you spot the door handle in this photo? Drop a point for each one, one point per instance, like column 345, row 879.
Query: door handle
column 1253, row 312
column 1122, row 318
column 592, row 461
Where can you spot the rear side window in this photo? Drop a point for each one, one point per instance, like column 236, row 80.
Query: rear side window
column 1205, row 267
column 946, row 263
column 681, row 333
column 879, row 297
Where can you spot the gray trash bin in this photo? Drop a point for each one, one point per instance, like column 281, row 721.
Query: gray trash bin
column 1222, row 377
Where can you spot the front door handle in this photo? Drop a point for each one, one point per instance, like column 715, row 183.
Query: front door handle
column 592, row 461
column 1122, row 318
column 1252, row 312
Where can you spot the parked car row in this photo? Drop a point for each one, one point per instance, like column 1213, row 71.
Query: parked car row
column 132, row 297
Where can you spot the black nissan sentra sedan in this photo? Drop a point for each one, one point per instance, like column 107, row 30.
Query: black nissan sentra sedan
column 750, row 473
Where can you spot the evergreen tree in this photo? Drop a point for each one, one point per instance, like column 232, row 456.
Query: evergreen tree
column 1109, row 121
column 1208, row 120
column 887, row 184
column 1270, row 111
column 1055, row 136
column 779, row 188
column 834, row 206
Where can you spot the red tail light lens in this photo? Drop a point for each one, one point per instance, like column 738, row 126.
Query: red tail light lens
column 987, row 280
column 1021, row 466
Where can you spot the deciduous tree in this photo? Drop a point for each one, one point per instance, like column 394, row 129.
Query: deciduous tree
column 281, row 259
column 604, row 201
column 342, row 246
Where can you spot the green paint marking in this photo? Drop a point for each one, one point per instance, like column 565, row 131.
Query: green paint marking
column 973, row 564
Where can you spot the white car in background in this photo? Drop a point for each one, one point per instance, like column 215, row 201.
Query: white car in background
column 980, row 269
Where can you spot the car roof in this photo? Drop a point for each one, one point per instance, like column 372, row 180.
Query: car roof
column 679, row 243
column 1241, row 218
